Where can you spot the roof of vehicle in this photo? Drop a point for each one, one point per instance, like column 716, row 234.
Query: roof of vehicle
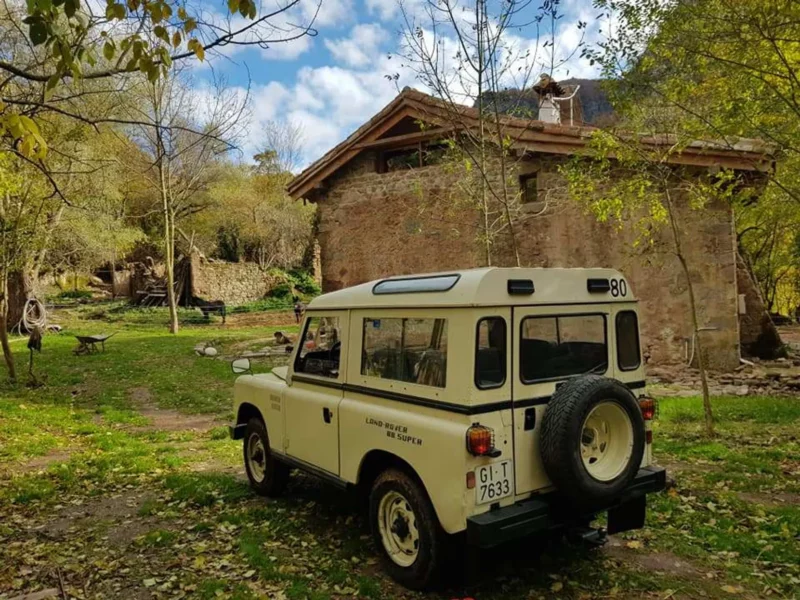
column 489, row 286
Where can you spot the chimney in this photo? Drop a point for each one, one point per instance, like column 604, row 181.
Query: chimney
column 547, row 89
column 553, row 100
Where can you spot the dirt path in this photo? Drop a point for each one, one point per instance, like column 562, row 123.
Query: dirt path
column 167, row 419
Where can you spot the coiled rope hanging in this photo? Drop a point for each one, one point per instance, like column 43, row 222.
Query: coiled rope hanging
column 34, row 316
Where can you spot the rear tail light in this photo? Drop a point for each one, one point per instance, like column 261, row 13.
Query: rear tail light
column 480, row 441
column 648, row 408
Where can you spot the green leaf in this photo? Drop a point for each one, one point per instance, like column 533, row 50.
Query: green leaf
column 155, row 13
column 233, row 6
column 38, row 33
column 71, row 7
column 161, row 33
column 176, row 39
column 108, row 50
column 53, row 81
column 189, row 25
column 195, row 46
column 29, row 124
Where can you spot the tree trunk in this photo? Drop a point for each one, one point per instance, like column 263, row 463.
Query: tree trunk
column 169, row 221
column 9, row 357
column 698, row 342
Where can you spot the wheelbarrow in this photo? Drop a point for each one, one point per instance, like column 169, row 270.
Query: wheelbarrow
column 87, row 344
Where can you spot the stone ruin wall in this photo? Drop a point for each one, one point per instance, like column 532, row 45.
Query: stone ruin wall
column 233, row 283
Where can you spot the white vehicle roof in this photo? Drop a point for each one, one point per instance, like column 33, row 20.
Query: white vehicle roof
column 490, row 286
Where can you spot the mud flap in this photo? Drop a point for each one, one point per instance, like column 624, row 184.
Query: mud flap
column 628, row 515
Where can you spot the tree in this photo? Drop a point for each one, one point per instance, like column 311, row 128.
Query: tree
column 70, row 41
column 182, row 145
column 469, row 54
column 253, row 218
column 722, row 70
column 282, row 151
column 627, row 181
column 61, row 59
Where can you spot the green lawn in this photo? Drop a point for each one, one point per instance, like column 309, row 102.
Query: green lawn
column 117, row 480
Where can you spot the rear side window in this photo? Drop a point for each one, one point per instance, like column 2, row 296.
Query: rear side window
column 628, row 351
column 321, row 348
column 556, row 347
column 490, row 353
column 410, row 350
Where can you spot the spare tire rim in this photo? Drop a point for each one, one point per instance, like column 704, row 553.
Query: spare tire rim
column 256, row 457
column 606, row 441
column 397, row 524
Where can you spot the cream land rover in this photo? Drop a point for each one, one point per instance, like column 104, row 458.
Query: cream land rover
column 492, row 403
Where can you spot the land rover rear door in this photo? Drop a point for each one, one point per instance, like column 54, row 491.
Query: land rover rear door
column 550, row 345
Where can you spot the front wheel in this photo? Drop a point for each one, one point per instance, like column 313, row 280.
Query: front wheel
column 405, row 528
column 268, row 476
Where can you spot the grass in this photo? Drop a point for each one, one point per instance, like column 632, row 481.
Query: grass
column 89, row 486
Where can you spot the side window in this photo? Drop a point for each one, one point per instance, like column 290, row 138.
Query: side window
column 490, row 353
column 556, row 347
column 320, row 348
column 628, row 351
column 411, row 350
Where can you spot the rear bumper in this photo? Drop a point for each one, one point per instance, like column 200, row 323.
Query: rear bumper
column 541, row 513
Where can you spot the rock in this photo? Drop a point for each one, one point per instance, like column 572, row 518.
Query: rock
column 210, row 351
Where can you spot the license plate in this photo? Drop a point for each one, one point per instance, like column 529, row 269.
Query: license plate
column 493, row 482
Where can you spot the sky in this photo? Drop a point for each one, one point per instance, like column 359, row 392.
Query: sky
column 332, row 82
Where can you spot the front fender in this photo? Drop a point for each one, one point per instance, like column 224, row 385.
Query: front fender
column 259, row 396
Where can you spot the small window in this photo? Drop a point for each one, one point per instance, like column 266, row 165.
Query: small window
column 529, row 187
column 437, row 283
column 490, row 353
column 415, row 157
column 410, row 350
column 321, row 348
column 628, row 352
column 558, row 347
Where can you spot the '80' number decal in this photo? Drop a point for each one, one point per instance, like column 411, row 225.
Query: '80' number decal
column 619, row 288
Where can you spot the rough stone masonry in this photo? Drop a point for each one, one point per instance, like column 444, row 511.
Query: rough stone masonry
column 375, row 223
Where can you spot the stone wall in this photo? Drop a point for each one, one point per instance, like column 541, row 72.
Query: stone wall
column 233, row 283
column 373, row 225
column 758, row 334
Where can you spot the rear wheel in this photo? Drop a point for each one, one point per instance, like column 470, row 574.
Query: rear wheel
column 592, row 440
column 405, row 529
column 268, row 476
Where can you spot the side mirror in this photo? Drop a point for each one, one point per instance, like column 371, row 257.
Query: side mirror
column 241, row 365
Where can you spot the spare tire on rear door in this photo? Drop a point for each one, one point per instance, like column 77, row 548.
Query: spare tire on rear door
column 592, row 440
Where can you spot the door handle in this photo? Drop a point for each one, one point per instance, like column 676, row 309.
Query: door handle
column 530, row 419
column 327, row 414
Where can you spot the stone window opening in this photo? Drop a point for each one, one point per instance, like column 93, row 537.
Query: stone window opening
column 529, row 187
column 529, row 194
column 410, row 157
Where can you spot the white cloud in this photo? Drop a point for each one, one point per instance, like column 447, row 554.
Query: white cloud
column 388, row 10
column 328, row 12
column 331, row 101
column 328, row 102
column 385, row 10
column 289, row 50
column 361, row 48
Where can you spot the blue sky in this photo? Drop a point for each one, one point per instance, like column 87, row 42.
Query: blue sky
column 331, row 83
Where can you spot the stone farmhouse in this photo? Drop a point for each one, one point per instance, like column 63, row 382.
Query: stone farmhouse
column 383, row 209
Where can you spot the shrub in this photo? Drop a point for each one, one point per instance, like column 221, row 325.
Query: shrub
column 304, row 282
column 76, row 294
